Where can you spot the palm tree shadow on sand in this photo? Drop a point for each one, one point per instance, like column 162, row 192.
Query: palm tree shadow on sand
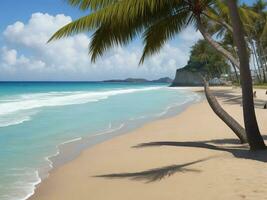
column 155, row 174
column 239, row 151
column 228, row 97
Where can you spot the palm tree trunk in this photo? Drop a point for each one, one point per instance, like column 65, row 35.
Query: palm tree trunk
column 217, row 46
column 236, row 74
column 220, row 21
column 263, row 56
column 259, row 60
column 214, row 104
column 233, row 65
column 264, row 74
column 260, row 55
column 257, row 71
column 254, row 137
column 255, row 60
column 224, row 116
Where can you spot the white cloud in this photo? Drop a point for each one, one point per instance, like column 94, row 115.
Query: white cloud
column 9, row 56
column 27, row 56
column 190, row 35
column 13, row 63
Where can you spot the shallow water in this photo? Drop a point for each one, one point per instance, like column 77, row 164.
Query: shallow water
column 36, row 118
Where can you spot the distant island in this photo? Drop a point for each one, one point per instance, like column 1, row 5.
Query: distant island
column 141, row 80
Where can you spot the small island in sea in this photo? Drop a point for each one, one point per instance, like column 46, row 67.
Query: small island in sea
column 140, row 80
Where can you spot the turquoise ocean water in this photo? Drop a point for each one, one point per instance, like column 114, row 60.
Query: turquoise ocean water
column 36, row 119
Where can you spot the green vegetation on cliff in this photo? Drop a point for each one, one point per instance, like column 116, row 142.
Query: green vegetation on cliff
column 206, row 60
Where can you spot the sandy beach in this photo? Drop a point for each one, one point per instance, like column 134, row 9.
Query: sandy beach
column 193, row 155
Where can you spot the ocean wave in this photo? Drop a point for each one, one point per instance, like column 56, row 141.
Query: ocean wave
column 24, row 187
column 109, row 130
column 16, row 118
column 61, row 99
column 192, row 98
column 70, row 141
column 12, row 110
column 48, row 158
column 8, row 122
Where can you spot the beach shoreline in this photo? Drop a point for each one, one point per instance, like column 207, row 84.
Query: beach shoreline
column 67, row 119
column 103, row 157
column 77, row 145
column 69, row 150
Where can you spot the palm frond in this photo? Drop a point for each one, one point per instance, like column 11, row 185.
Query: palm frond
column 108, row 35
column 117, row 13
column 91, row 4
column 248, row 16
column 221, row 9
column 157, row 34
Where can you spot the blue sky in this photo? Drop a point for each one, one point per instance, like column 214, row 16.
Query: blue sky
column 27, row 24
column 14, row 10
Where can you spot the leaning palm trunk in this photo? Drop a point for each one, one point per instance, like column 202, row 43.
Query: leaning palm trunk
column 216, row 45
column 254, row 137
column 214, row 104
column 224, row 116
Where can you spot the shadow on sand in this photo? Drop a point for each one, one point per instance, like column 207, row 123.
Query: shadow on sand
column 239, row 151
column 156, row 174
column 233, row 147
column 229, row 98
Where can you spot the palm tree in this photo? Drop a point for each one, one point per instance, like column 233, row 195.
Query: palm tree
column 204, row 59
column 252, row 130
column 119, row 22
column 157, row 20
column 256, row 34
column 228, row 43
column 248, row 17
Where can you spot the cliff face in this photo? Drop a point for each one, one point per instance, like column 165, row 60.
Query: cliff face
column 184, row 77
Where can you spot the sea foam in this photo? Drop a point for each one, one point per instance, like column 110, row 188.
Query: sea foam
column 18, row 109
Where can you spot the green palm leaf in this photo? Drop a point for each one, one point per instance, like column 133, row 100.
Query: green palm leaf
column 157, row 34
column 91, row 4
column 117, row 13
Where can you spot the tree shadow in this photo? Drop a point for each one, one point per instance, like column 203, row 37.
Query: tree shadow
column 240, row 151
column 155, row 174
column 228, row 97
column 232, row 141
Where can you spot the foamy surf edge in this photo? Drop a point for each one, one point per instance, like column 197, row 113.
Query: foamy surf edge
column 21, row 108
column 57, row 153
